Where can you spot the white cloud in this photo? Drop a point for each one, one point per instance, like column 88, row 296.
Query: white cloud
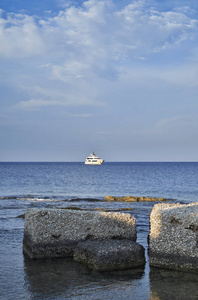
column 70, row 59
column 53, row 97
column 66, row 3
column 185, row 10
column 74, row 69
column 34, row 104
column 97, row 30
column 20, row 36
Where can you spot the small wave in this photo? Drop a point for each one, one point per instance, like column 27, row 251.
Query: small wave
column 38, row 199
column 30, row 198
column 47, row 199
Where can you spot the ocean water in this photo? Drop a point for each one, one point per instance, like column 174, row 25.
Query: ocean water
column 24, row 185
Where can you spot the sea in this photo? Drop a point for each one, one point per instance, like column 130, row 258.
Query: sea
column 76, row 185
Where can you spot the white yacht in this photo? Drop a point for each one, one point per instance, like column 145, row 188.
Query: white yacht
column 92, row 159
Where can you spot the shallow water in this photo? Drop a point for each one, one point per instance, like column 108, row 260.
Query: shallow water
column 24, row 185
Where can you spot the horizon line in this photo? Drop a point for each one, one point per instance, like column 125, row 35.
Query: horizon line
column 161, row 161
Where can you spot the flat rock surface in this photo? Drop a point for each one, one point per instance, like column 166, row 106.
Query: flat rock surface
column 173, row 239
column 55, row 232
column 103, row 255
column 133, row 199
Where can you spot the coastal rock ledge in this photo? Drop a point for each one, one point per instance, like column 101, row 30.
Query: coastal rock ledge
column 173, row 238
column 133, row 199
column 56, row 232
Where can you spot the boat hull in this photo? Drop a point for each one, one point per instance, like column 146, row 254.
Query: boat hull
column 98, row 162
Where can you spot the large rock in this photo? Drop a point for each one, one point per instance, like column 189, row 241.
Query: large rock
column 55, row 232
column 173, row 239
column 103, row 255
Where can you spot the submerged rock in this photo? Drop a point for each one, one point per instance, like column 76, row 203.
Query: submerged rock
column 21, row 216
column 104, row 255
column 55, row 232
column 133, row 199
column 173, row 239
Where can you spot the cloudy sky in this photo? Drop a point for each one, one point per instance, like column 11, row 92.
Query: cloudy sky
column 116, row 77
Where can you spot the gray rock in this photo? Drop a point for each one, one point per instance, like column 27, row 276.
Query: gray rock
column 104, row 255
column 173, row 239
column 55, row 232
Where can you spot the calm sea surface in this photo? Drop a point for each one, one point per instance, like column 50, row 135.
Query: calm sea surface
column 24, row 185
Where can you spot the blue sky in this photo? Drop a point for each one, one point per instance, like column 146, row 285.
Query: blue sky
column 116, row 77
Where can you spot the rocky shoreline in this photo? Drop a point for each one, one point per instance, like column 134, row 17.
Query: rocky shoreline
column 107, row 240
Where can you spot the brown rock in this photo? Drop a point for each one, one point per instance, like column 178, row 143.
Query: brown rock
column 133, row 199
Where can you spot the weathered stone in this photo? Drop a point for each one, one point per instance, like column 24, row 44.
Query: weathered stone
column 173, row 239
column 103, row 255
column 55, row 232
column 133, row 199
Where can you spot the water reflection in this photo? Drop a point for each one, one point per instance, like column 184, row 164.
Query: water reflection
column 169, row 284
column 65, row 278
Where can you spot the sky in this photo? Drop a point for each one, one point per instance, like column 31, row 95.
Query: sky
column 116, row 77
